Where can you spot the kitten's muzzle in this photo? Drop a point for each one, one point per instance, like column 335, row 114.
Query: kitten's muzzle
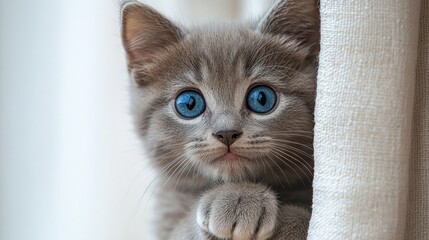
column 227, row 137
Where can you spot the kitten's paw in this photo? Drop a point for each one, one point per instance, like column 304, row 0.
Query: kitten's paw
column 239, row 212
column 293, row 223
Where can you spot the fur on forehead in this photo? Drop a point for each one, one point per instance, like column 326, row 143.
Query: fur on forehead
column 239, row 53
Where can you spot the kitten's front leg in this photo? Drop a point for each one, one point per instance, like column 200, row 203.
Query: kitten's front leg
column 238, row 211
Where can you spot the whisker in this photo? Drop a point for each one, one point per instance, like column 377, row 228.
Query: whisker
column 187, row 164
column 281, row 158
column 307, row 165
column 292, row 142
column 139, row 174
column 291, row 131
column 291, row 135
column 281, row 170
column 290, row 150
column 150, row 196
column 277, row 179
column 289, row 158
column 155, row 178
column 142, row 196
column 183, row 161
column 303, row 162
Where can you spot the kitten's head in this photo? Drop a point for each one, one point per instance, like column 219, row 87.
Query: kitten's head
column 227, row 102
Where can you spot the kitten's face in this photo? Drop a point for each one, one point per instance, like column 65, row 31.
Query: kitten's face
column 228, row 102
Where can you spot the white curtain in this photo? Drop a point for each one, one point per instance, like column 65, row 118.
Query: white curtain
column 370, row 51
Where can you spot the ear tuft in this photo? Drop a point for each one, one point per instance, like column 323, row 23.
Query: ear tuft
column 145, row 33
column 296, row 19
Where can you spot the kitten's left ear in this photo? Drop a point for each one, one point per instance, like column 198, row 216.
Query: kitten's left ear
column 296, row 19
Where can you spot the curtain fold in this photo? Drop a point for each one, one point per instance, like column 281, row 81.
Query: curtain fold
column 418, row 203
column 363, row 117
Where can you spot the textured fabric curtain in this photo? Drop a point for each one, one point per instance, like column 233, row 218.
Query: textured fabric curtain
column 418, row 200
column 372, row 121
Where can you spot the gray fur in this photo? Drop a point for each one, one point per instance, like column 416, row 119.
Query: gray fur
column 265, row 192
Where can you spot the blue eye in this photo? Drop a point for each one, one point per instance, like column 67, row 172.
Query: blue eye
column 190, row 104
column 261, row 99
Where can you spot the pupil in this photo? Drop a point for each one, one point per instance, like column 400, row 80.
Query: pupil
column 191, row 103
column 262, row 99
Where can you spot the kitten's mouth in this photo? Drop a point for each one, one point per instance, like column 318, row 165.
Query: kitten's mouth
column 228, row 157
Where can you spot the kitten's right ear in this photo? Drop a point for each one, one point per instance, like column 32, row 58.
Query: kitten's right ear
column 145, row 33
column 297, row 19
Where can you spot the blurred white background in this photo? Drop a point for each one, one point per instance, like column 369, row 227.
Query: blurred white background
column 70, row 164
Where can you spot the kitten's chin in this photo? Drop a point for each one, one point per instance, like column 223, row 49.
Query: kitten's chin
column 230, row 167
column 228, row 157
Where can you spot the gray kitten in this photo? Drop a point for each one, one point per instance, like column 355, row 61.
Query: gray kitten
column 226, row 114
